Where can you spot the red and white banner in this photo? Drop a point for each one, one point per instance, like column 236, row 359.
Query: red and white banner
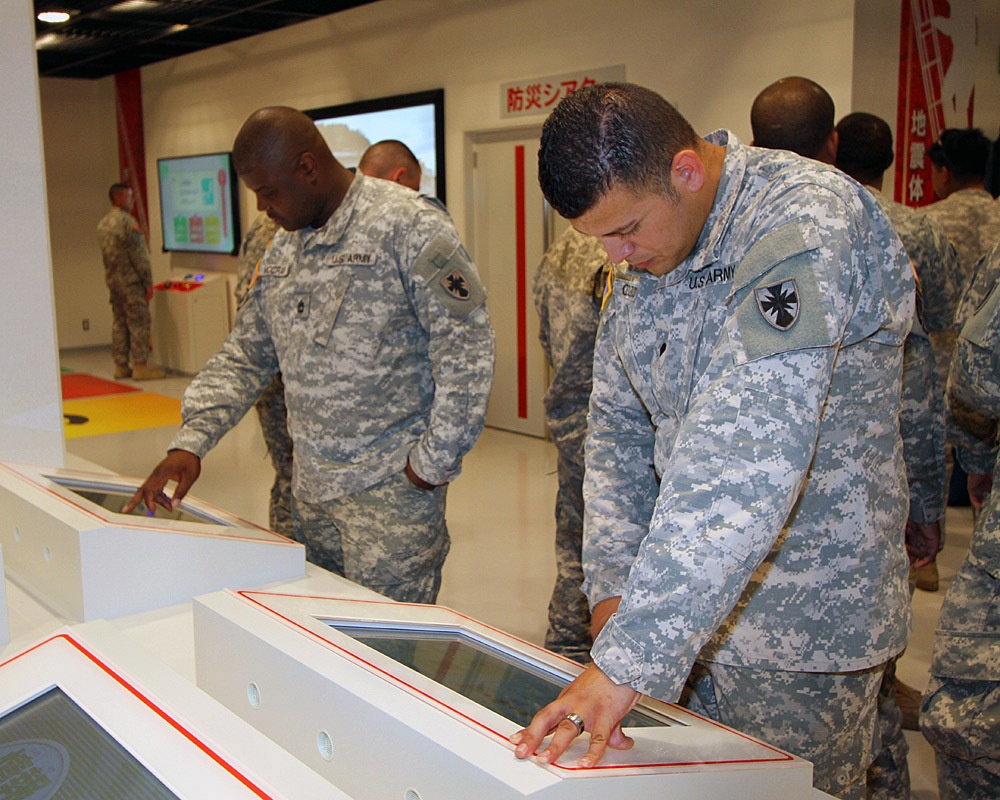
column 937, row 46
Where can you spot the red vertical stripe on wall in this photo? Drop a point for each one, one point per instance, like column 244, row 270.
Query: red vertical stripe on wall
column 522, row 285
column 131, row 142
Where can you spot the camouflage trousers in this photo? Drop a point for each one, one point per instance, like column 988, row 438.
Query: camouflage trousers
column 829, row 719
column 569, row 613
column 130, row 323
column 391, row 538
column 273, row 417
column 961, row 720
column 889, row 775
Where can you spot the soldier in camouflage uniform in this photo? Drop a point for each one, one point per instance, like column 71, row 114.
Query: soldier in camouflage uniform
column 960, row 716
column 370, row 307
column 864, row 152
column 967, row 212
column 270, row 406
column 745, row 487
column 568, row 288
column 129, row 278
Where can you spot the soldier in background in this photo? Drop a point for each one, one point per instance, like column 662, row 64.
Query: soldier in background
column 270, row 406
column 129, row 278
column 967, row 212
column 568, row 289
column 391, row 160
column 372, row 310
column 795, row 114
column 960, row 716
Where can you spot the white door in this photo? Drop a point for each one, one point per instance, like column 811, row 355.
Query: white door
column 509, row 237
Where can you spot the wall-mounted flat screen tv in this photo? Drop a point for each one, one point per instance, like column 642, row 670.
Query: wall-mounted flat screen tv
column 199, row 204
column 416, row 119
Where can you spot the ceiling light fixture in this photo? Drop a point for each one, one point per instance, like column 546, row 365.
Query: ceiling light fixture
column 53, row 16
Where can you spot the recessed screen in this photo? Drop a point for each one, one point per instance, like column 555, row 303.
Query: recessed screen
column 512, row 688
column 113, row 498
column 50, row 748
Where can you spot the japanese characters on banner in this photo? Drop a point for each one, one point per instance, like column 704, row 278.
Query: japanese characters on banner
column 540, row 95
column 936, row 87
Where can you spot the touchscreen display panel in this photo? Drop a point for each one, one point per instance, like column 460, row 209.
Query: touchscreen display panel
column 51, row 748
column 503, row 683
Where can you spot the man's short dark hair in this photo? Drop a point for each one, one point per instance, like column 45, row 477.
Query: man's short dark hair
column 794, row 114
column 864, row 147
column 605, row 136
column 964, row 151
column 116, row 189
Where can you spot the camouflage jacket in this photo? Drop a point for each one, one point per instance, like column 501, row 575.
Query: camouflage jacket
column 255, row 242
column 568, row 287
column 967, row 642
column 922, row 415
column 745, row 487
column 378, row 324
column 126, row 258
column 971, row 218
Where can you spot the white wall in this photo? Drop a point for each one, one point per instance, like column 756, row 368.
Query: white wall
column 81, row 162
column 30, row 411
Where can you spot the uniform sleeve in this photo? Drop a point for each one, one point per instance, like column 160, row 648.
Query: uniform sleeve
column 744, row 446
column 974, row 380
column 922, row 427
column 229, row 383
column 450, row 302
column 620, row 484
column 139, row 256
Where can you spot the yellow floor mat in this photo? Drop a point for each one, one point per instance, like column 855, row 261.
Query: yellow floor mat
column 133, row 411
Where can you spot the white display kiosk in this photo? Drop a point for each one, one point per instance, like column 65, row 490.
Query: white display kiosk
column 4, row 615
column 191, row 318
column 66, row 542
column 86, row 713
column 392, row 700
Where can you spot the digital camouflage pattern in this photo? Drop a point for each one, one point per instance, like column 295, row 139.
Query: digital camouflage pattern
column 270, row 406
column 971, row 218
column 940, row 274
column 378, row 324
column 568, row 288
column 745, row 484
column 128, row 276
column 818, row 712
column 922, row 415
column 390, row 537
column 960, row 715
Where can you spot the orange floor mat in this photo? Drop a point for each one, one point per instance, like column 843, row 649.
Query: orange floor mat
column 115, row 413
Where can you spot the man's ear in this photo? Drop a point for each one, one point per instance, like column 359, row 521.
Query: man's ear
column 688, row 171
column 308, row 166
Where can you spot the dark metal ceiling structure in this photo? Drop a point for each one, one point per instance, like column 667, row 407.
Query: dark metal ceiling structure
column 102, row 37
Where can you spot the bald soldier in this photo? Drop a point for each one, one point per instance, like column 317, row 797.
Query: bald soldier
column 373, row 312
column 392, row 160
column 795, row 114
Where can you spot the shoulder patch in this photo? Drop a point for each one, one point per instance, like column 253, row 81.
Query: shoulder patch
column 779, row 303
column 448, row 271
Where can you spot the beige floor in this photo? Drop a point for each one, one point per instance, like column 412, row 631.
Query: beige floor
column 501, row 565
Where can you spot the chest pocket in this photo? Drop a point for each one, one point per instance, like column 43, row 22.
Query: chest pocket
column 323, row 307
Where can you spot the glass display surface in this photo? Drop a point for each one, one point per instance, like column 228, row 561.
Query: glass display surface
column 51, row 748
column 113, row 498
column 505, row 684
